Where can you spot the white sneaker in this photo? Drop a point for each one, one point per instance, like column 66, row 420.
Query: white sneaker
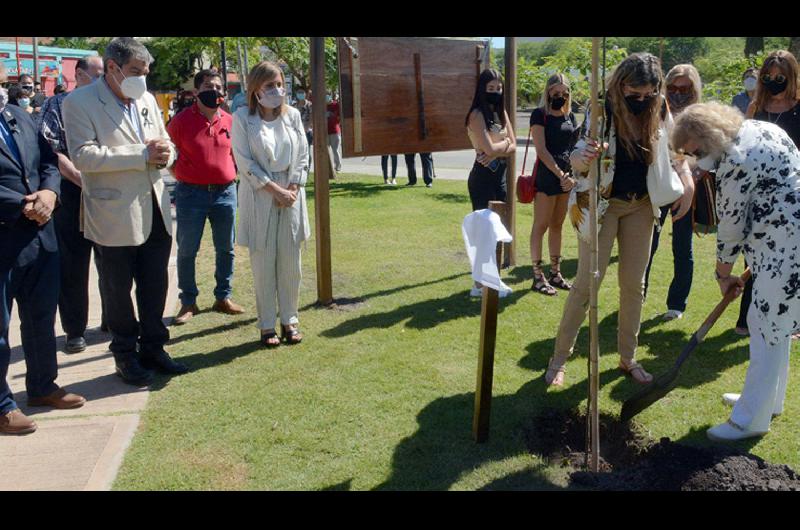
column 394, row 182
column 730, row 399
column 728, row 432
column 672, row 314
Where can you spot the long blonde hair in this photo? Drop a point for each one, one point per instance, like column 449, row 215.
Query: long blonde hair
column 556, row 79
column 787, row 64
column 637, row 70
column 261, row 73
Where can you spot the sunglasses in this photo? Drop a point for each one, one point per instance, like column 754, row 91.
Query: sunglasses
column 780, row 78
column 674, row 89
column 26, row 87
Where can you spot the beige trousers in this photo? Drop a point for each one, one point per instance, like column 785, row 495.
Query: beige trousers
column 277, row 272
column 631, row 224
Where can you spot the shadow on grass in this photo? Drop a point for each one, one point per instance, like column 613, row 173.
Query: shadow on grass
column 393, row 290
column 360, row 190
column 453, row 198
column 442, row 449
column 426, row 314
column 236, row 324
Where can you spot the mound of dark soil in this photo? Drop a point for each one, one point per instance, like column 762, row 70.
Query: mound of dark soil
column 631, row 461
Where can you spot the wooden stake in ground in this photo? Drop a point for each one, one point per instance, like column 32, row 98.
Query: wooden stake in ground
column 594, row 345
column 483, row 389
column 322, row 173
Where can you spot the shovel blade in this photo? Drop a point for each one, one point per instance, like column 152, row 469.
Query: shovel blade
column 645, row 397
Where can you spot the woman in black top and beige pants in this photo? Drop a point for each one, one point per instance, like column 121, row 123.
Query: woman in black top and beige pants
column 639, row 116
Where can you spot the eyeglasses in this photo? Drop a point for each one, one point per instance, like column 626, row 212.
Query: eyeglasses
column 780, row 78
column 675, row 89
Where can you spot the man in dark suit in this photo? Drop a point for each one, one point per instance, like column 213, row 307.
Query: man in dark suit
column 29, row 271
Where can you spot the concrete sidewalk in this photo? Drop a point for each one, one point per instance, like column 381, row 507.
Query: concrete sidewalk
column 79, row 449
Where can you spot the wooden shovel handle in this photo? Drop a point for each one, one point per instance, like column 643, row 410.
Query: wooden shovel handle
column 729, row 297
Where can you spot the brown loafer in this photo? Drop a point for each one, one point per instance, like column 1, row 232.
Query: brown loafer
column 15, row 422
column 185, row 314
column 227, row 306
column 60, row 399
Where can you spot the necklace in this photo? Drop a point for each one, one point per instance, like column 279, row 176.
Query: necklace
column 769, row 117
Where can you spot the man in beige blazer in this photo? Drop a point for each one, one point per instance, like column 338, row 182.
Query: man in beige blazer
column 116, row 139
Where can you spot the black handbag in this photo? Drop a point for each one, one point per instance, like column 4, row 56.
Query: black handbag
column 704, row 216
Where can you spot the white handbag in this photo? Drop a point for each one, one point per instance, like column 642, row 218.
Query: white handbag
column 663, row 183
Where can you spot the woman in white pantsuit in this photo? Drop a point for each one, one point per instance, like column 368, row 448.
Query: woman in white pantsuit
column 758, row 204
column 271, row 152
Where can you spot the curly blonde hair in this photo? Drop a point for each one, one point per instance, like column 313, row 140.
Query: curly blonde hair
column 712, row 125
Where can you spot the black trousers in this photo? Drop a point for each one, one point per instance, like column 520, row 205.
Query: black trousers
column 385, row 166
column 487, row 185
column 75, row 254
column 427, row 167
column 34, row 286
column 147, row 264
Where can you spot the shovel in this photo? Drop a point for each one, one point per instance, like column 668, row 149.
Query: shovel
column 665, row 382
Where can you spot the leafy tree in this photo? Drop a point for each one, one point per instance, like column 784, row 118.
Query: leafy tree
column 677, row 50
column 78, row 43
column 753, row 45
column 176, row 59
column 295, row 52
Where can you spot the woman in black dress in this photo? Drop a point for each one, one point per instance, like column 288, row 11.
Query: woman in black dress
column 554, row 132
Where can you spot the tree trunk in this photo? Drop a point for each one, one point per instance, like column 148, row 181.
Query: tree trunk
column 794, row 46
column 753, row 45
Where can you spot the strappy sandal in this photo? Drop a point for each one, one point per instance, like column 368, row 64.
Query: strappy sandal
column 554, row 375
column 556, row 280
column 636, row 371
column 291, row 335
column 540, row 283
column 270, row 339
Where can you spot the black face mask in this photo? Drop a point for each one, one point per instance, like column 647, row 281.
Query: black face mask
column 210, row 98
column 637, row 106
column 494, row 98
column 678, row 100
column 557, row 103
column 776, row 88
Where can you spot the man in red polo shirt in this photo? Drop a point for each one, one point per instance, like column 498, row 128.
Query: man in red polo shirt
column 206, row 189
column 334, row 130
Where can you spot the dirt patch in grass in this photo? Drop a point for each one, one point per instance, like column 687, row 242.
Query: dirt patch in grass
column 630, row 461
column 347, row 304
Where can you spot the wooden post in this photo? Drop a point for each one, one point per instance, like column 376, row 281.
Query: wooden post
column 321, row 174
column 510, row 91
column 224, row 65
column 593, row 422
column 36, row 76
column 488, row 336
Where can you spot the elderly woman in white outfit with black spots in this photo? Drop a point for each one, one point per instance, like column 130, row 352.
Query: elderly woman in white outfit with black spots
column 271, row 152
column 758, row 204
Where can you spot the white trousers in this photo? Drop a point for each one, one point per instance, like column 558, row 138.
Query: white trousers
column 765, row 383
column 277, row 272
column 335, row 141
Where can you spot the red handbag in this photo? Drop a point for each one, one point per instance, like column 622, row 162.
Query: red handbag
column 526, row 184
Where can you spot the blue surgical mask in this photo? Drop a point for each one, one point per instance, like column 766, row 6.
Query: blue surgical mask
column 328, row 99
column 24, row 102
column 301, row 96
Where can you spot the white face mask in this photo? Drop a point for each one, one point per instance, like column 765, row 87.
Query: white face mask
column 3, row 98
column 272, row 98
column 133, row 87
column 750, row 84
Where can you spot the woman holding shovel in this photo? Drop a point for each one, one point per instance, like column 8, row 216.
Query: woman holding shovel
column 758, row 204
column 639, row 119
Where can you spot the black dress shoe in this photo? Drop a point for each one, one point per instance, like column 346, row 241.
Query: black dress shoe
column 162, row 362
column 104, row 327
column 75, row 344
column 132, row 372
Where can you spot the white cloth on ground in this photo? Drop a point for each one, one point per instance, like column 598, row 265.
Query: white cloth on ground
column 482, row 230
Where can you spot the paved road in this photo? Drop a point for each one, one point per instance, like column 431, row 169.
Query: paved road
column 448, row 165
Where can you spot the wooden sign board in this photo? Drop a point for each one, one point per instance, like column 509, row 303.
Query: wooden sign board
column 407, row 94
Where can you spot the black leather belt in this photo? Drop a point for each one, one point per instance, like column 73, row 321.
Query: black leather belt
column 631, row 196
column 209, row 187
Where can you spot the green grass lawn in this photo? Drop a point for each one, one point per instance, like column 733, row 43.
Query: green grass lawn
column 380, row 394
